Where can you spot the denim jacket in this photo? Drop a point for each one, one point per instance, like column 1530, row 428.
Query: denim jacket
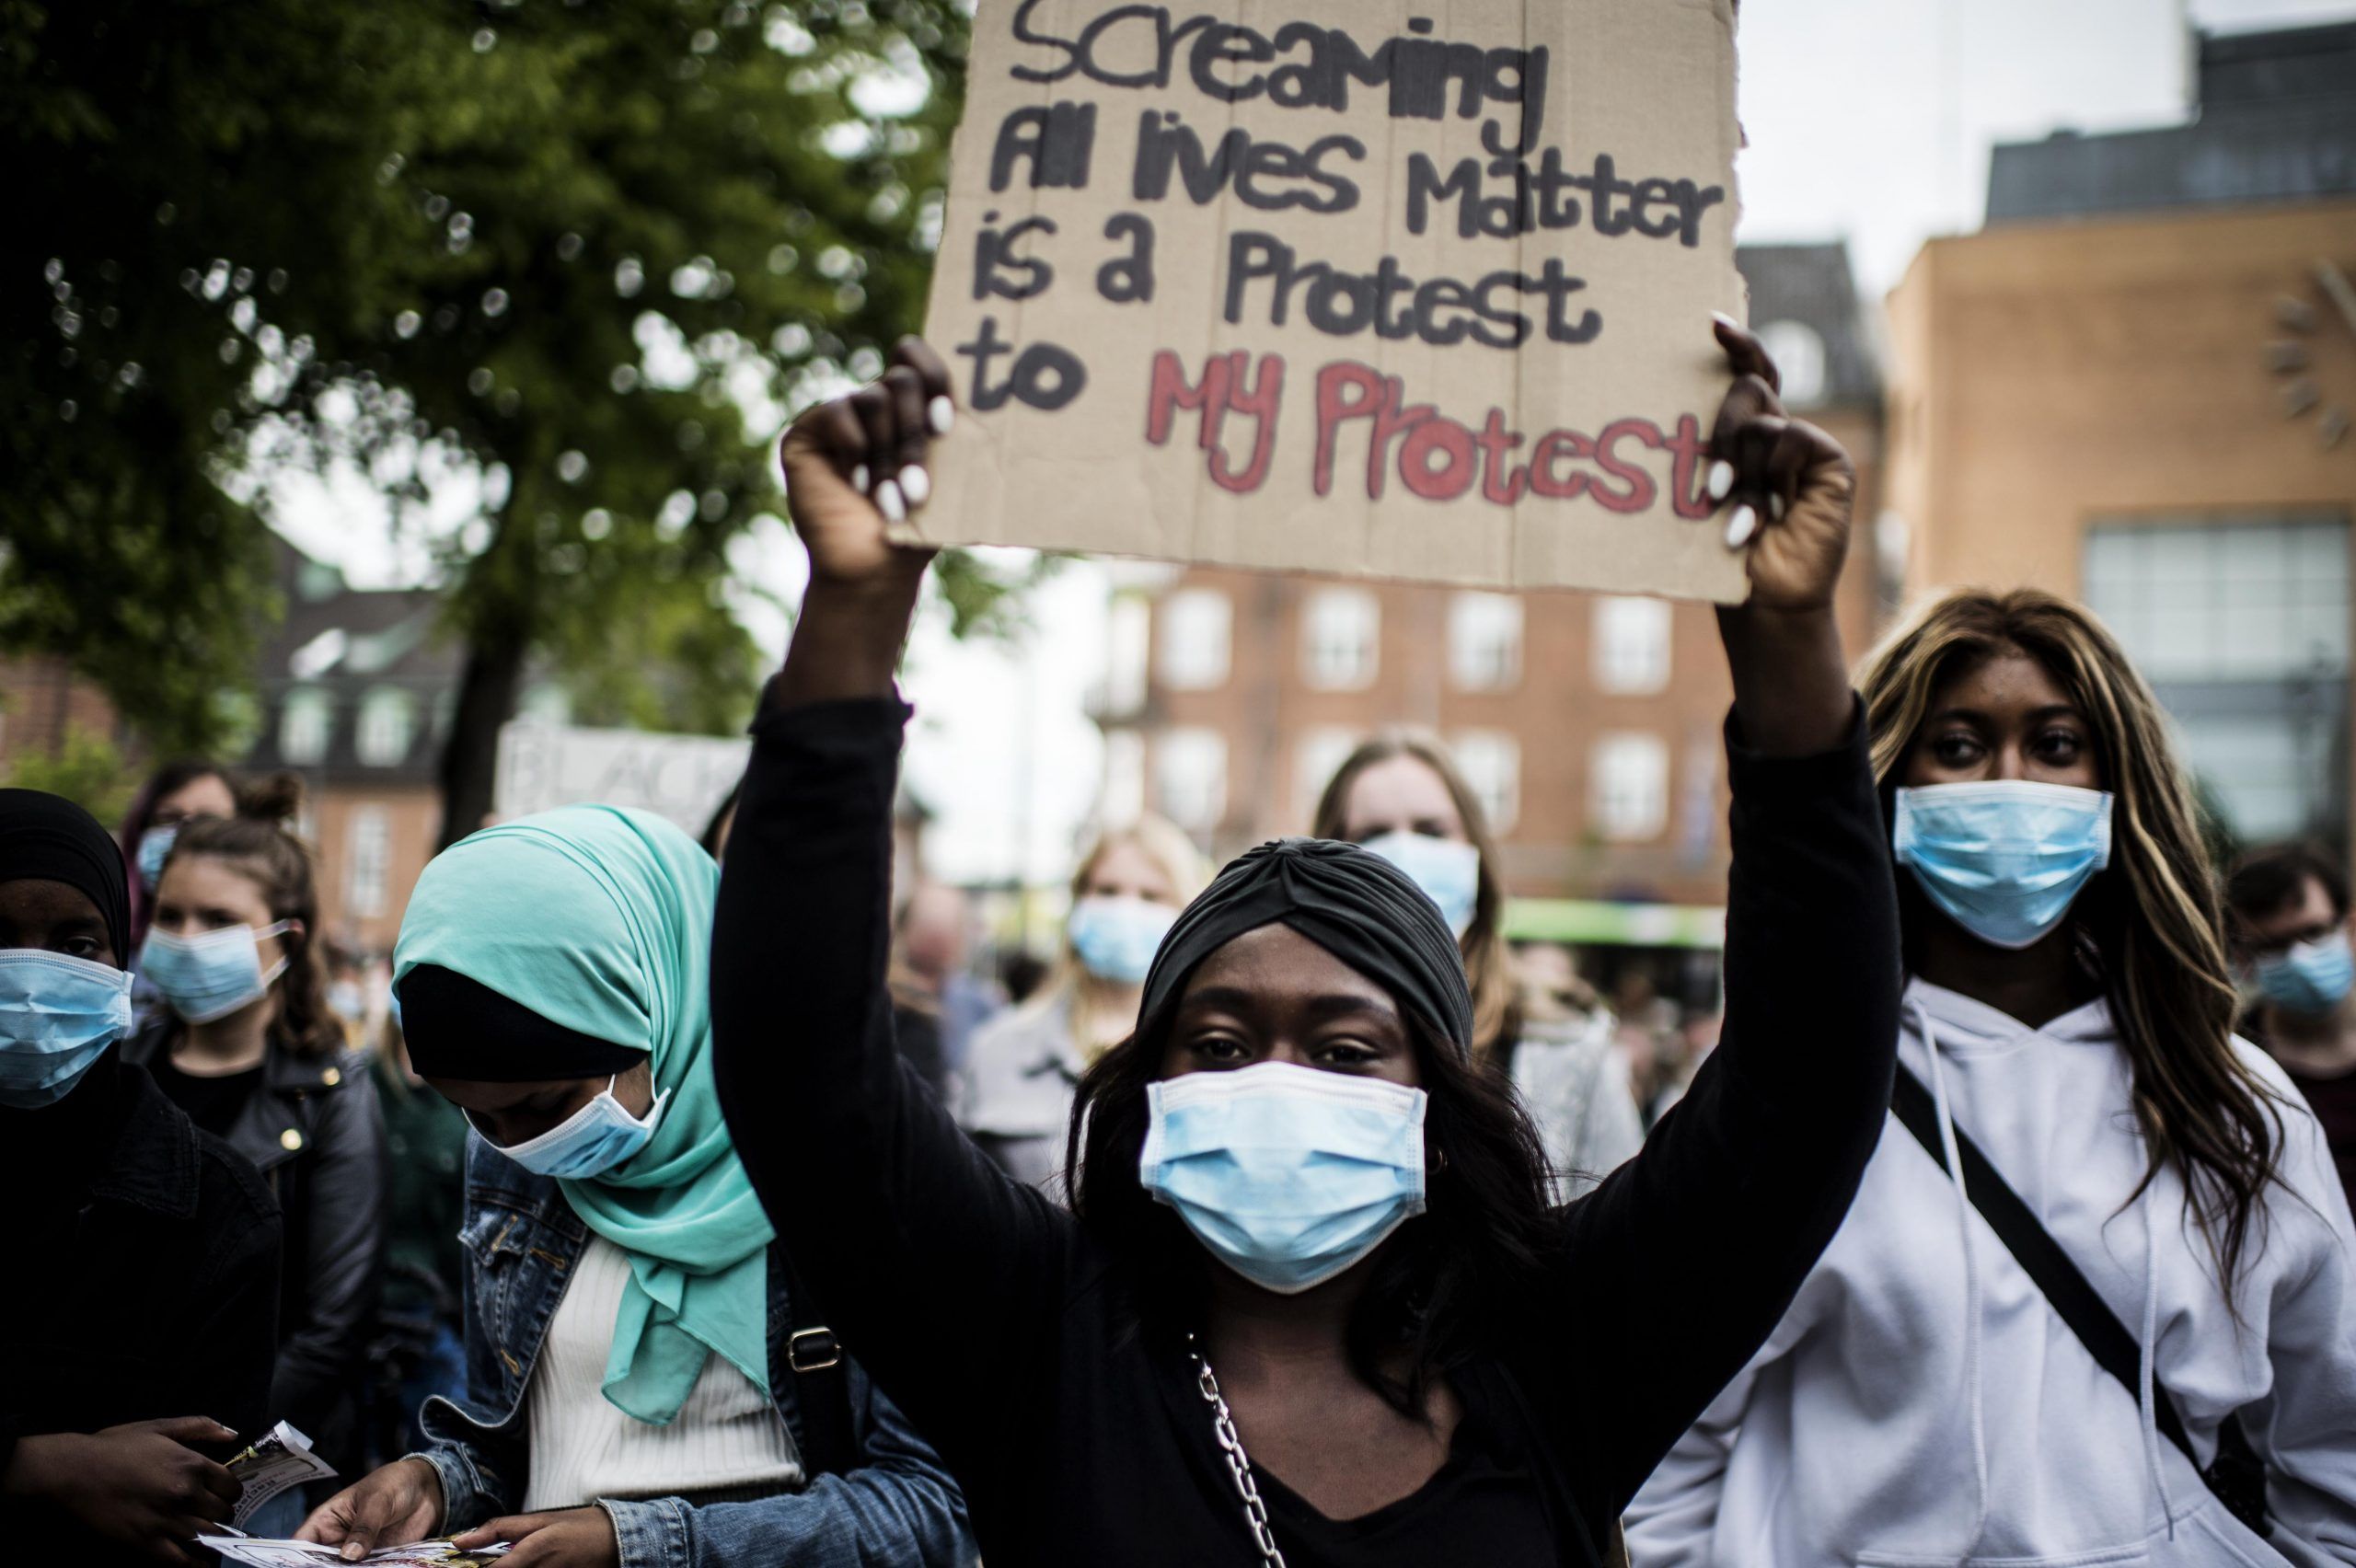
column 522, row 1241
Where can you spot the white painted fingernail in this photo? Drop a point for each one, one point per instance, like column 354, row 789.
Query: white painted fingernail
column 858, row 478
column 916, row 484
column 1723, row 319
column 1775, row 508
column 888, row 502
column 1741, row 525
column 941, row 413
column 1721, row 479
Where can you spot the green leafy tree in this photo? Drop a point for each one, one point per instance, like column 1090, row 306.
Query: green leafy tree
column 563, row 244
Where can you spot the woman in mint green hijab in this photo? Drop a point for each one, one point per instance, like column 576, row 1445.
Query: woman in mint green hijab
column 638, row 1391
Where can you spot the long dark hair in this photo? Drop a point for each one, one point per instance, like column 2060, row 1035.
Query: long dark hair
column 1448, row 1280
column 258, row 844
column 2149, row 928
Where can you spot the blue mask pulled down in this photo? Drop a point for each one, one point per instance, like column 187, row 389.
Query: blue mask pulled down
column 58, row 1014
column 2312, row 977
column 1287, row 1174
column 2004, row 859
column 1116, row 938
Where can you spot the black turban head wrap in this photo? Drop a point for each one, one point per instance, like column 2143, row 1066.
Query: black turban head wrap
column 45, row 837
column 1355, row 904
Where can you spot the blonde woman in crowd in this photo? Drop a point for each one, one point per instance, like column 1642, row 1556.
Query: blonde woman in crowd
column 1941, row 1390
column 1026, row 1063
column 1402, row 797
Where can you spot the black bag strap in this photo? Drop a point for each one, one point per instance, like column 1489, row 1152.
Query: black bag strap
column 2073, row 1296
column 821, row 1385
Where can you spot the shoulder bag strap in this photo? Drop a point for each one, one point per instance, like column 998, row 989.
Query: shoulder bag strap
column 821, row 1384
column 2072, row 1296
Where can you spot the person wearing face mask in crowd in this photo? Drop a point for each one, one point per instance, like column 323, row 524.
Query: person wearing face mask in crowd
column 1311, row 1302
column 113, row 1419
column 1941, row 1390
column 1403, row 798
column 251, row 1052
column 2289, row 907
column 175, row 795
column 1025, row 1063
column 646, row 1386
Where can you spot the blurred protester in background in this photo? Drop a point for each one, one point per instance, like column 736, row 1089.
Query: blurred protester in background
column 142, row 1327
column 1647, row 1034
column 1020, row 972
column 2289, row 909
column 175, row 794
column 1572, row 1066
column 936, row 1002
column 251, row 1052
column 1402, row 797
column 1026, row 1063
column 644, row 1383
column 347, row 998
column 418, row 1351
column 1940, row 1391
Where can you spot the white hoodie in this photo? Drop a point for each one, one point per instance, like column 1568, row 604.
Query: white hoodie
column 1922, row 1404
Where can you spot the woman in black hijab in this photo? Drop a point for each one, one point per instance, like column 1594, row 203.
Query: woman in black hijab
column 141, row 1326
column 1310, row 1305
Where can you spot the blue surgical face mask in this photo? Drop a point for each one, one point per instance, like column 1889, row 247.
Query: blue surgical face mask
column 58, row 1014
column 1116, row 938
column 2005, row 858
column 154, row 849
column 2312, row 977
column 1287, row 1174
column 1449, row 872
column 212, row 975
column 590, row 1142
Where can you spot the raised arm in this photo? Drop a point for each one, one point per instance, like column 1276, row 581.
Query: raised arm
column 934, row 1269
column 1685, row 1259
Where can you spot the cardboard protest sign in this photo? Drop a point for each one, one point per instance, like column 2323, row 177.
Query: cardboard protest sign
column 1386, row 288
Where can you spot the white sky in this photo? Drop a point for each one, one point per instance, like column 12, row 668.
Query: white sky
column 1868, row 120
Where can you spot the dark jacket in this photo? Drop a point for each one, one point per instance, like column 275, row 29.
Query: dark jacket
column 148, row 1273
column 315, row 1133
column 895, row 1505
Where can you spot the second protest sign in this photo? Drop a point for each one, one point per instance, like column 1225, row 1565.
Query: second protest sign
column 1388, row 290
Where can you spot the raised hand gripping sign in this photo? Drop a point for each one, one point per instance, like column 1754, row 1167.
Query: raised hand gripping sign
column 1369, row 287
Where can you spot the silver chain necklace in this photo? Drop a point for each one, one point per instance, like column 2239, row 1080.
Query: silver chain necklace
column 1238, row 1463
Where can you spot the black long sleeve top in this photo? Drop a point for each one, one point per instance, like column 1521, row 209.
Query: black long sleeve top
column 1006, row 1331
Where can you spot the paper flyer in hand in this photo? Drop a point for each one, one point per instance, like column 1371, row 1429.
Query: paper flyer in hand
column 281, row 1459
column 308, row 1554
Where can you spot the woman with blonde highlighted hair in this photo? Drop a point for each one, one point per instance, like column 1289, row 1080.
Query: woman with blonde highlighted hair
column 1026, row 1063
column 1402, row 796
column 2149, row 1356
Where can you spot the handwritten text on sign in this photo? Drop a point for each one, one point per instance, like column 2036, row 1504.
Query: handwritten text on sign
column 1388, row 289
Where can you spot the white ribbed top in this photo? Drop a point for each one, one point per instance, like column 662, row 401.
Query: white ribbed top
column 727, row 1434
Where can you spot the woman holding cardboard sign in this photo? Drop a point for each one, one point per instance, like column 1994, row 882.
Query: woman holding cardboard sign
column 1312, row 1304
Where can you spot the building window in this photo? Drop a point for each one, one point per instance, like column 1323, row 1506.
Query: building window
column 2242, row 629
column 1316, row 757
column 388, row 724
column 305, row 726
column 1341, row 630
column 1484, row 641
column 1631, row 646
column 1798, row 350
column 1197, row 627
column 1491, row 763
column 1128, row 648
column 1628, row 788
column 368, row 856
column 1190, row 777
column 1123, row 798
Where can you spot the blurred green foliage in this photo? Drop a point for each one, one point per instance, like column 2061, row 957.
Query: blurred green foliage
column 86, row 769
column 561, row 243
